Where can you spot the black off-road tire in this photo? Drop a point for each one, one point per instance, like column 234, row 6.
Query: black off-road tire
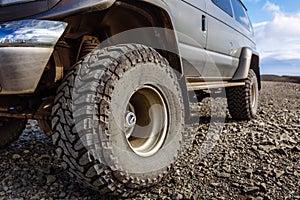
column 243, row 100
column 10, row 130
column 89, row 116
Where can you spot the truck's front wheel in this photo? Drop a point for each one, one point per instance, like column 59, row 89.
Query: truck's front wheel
column 118, row 119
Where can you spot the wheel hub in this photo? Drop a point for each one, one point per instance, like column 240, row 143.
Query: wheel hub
column 146, row 121
column 130, row 119
column 253, row 95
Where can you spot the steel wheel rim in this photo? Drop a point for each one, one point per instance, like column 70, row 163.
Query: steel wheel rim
column 146, row 121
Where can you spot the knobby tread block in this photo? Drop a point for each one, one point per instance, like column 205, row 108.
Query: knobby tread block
column 239, row 99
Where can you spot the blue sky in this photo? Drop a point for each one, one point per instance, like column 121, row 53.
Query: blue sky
column 277, row 28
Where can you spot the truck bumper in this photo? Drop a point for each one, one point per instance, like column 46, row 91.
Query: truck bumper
column 25, row 49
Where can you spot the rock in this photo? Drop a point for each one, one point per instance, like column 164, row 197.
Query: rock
column 50, row 179
column 250, row 172
column 297, row 174
column 215, row 184
column 234, row 129
column 62, row 195
column 263, row 187
column 258, row 198
column 35, row 197
column 279, row 184
column 223, row 175
column 261, row 124
column 250, row 190
column 278, row 150
column 26, row 151
column 16, row 156
column 267, row 197
column 227, row 169
column 179, row 196
column 45, row 170
column 278, row 173
column 236, row 185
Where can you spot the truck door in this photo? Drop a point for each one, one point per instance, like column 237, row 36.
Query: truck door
column 188, row 18
column 221, row 40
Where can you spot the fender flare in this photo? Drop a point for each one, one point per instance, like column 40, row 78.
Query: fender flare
column 249, row 59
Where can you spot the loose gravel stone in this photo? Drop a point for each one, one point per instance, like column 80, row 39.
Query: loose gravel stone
column 16, row 156
column 50, row 179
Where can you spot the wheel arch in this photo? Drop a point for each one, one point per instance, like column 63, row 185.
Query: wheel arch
column 124, row 16
column 150, row 16
column 249, row 59
column 255, row 66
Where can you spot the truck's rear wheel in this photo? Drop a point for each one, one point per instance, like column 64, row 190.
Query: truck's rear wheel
column 243, row 100
column 118, row 119
column 10, row 130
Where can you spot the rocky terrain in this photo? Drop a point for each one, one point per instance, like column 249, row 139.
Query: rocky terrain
column 290, row 79
column 259, row 159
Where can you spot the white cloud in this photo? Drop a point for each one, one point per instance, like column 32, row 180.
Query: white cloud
column 271, row 7
column 279, row 38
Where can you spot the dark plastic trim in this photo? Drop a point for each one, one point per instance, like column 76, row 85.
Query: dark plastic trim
column 245, row 64
column 69, row 7
column 23, row 10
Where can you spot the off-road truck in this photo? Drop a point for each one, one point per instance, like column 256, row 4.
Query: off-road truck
column 110, row 80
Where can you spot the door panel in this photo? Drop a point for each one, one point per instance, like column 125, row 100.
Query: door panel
column 221, row 40
column 187, row 17
column 221, row 34
column 219, row 66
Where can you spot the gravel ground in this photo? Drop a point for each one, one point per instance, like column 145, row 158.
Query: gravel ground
column 259, row 159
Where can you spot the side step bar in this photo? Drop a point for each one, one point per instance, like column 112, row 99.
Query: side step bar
column 211, row 85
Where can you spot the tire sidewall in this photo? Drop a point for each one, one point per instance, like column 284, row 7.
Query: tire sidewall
column 125, row 159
